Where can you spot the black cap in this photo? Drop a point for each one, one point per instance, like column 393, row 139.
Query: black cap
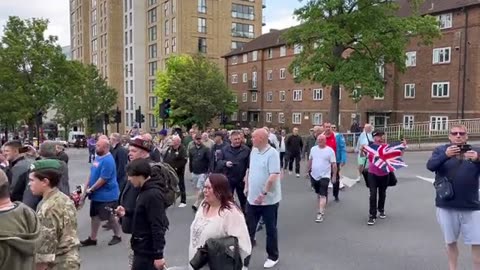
column 378, row 132
column 219, row 134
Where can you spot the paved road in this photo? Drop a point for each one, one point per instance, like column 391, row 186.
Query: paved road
column 409, row 239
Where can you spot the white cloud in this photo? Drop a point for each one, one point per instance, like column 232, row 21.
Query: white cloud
column 282, row 18
column 56, row 11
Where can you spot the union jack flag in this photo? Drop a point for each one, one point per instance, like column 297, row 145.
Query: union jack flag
column 385, row 156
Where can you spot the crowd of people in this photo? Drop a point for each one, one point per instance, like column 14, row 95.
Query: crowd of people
column 130, row 179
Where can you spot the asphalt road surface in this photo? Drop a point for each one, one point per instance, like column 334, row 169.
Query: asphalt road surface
column 408, row 239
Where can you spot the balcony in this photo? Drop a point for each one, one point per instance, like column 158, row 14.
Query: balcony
column 252, row 85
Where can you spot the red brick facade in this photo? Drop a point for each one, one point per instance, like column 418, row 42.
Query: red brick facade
column 395, row 107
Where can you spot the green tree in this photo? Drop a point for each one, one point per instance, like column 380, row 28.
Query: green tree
column 344, row 42
column 197, row 89
column 30, row 68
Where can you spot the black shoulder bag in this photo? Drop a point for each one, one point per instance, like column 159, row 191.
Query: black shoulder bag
column 443, row 185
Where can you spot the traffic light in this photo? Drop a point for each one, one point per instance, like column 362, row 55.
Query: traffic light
column 138, row 115
column 165, row 109
column 106, row 118
column 142, row 118
column 39, row 118
column 118, row 117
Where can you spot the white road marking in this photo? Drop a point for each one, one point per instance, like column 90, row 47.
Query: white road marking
column 430, row 180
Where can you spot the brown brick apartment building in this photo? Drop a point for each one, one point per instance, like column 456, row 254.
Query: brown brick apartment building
column 440, row 83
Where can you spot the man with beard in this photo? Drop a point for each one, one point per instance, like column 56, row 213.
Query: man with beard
column 48, row 151
column 103, row 191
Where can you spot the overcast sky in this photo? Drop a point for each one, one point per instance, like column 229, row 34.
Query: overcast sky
column 57, row 12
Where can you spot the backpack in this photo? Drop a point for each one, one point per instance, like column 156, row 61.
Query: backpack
column 272, row 144
column 169, row 179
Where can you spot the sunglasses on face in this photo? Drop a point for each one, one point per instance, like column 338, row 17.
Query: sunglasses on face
column 460, row 133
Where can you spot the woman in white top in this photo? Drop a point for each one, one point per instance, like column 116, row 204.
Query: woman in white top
column 218, row 216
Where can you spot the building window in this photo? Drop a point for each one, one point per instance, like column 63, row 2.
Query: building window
column 438, row 123
column 408, row 121
column 94, row 45
column 126, row 87
column 243, row 30
column 245, row 57
column 131, row 53
column 254, row 97
column 151, row 86
column 234, row 60
column 234, row 78
column 234, row 116
column 296, row 72
column 202, row 45
column 283, row 74
column 235, row 99
column 269, row 75
column 296, row 118
column 317, row 119
column 254, row 55
column 244, row 97
column 297, row 95
column 152, row 51
column 268, row 117
column 130, row 19
column 411, row 60
column 270, row 53
column 152, row 68
column 152, row 15
column 245, row 77
column 153, row 102
column 165, row 8
column 202, row 25
column 167, row 47
column 317, row 94
column 269, row 96
column 445, row 21
column 95, row 59
column 202, row 6
column 283, row 51
column 174, row 45
column 281, row 118
column 254, row 80
column 174, row 25
column 244, row 116
column 174, row 6
column 243, row 12
column 131, row 87
column 152, row 33
column 94, row 30
column 167, row 28
column 441, row 55
column 152, row 2
column 297, row 48
column 409, row 90
column 282, row 96
column 237, row 44
column 441, row 90
column 153, row 120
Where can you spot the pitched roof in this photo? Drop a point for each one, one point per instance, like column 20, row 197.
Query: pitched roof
column 269, row 40
column 435, row 6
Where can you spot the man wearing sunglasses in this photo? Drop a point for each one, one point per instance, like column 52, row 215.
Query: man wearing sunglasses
column 456, row 165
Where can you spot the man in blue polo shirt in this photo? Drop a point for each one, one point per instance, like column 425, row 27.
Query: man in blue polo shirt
column 103, row 191
column 262, row 185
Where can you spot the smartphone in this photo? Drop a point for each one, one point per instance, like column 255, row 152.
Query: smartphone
column 465, row 148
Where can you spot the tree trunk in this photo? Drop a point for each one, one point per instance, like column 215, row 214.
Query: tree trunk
column 335, row 106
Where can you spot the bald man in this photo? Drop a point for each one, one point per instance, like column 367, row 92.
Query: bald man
column 263, row 189
column 103, row 191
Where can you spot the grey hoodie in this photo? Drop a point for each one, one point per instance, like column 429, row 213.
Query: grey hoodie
column 19, row 237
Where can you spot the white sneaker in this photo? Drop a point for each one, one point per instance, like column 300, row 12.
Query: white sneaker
column 269, row 263
column 182, row 205
column 298, row 175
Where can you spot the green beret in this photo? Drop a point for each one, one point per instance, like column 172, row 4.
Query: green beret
column 45, row 164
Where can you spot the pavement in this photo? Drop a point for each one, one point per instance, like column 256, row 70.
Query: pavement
column 409, row 239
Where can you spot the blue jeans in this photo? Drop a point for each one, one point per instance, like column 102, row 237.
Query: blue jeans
column 269, row 213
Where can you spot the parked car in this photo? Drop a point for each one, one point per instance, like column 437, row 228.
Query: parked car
column 61, row 141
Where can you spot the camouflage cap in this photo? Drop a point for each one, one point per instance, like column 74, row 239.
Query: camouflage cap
column 45, row 164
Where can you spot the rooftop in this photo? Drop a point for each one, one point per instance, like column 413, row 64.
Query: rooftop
column 269, row 40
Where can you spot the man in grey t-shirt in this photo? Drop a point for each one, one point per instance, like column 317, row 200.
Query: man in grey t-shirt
column 263, row 189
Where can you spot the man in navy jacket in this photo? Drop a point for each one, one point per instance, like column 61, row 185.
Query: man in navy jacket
column 458, row 163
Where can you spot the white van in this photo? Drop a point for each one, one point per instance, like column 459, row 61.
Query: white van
column 76, row 137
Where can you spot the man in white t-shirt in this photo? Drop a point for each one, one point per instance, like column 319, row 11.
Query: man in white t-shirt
column 322, row 165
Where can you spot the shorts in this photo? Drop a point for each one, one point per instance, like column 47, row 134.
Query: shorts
column 453, row 222
column 321, row 186
column 99, row 209
column 199, row 180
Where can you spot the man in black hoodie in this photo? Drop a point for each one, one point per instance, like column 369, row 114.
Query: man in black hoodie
column 176, row 157
column 217, row 153
column 294, row 147
column 199, row 156
column 150, row 220
column 235, row 159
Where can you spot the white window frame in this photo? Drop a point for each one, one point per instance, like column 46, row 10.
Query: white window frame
column 235, row 99
column 411, row 59
column 254, row 79
column 297, row 48
column 269, row 75
column 234, row 60
column 245, row 58
column 317, row 94
column 234, row 116
column 244, row 97
column 439, row 55
column 438, row 94
column 254, row 55
column 234, row 78
column 409, row 91
column 281, row 118
column 445, row 21
column 270, row 53
column 245, row 77
column 408, row 121
column 269, row 97
column 282, row 96
column 296, row 72
column 254, row 97
column 382, row 97
column 297, row 118
column 268, row 117
column 283, row 51
column 244, row 116
column 283, row 74
column 438, row 123
column 297, row 95
column 317, row 118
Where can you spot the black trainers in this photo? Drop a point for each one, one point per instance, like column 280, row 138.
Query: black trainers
column 382, row 215
column 88, row 242
column 371, row 221
column 115, row 240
